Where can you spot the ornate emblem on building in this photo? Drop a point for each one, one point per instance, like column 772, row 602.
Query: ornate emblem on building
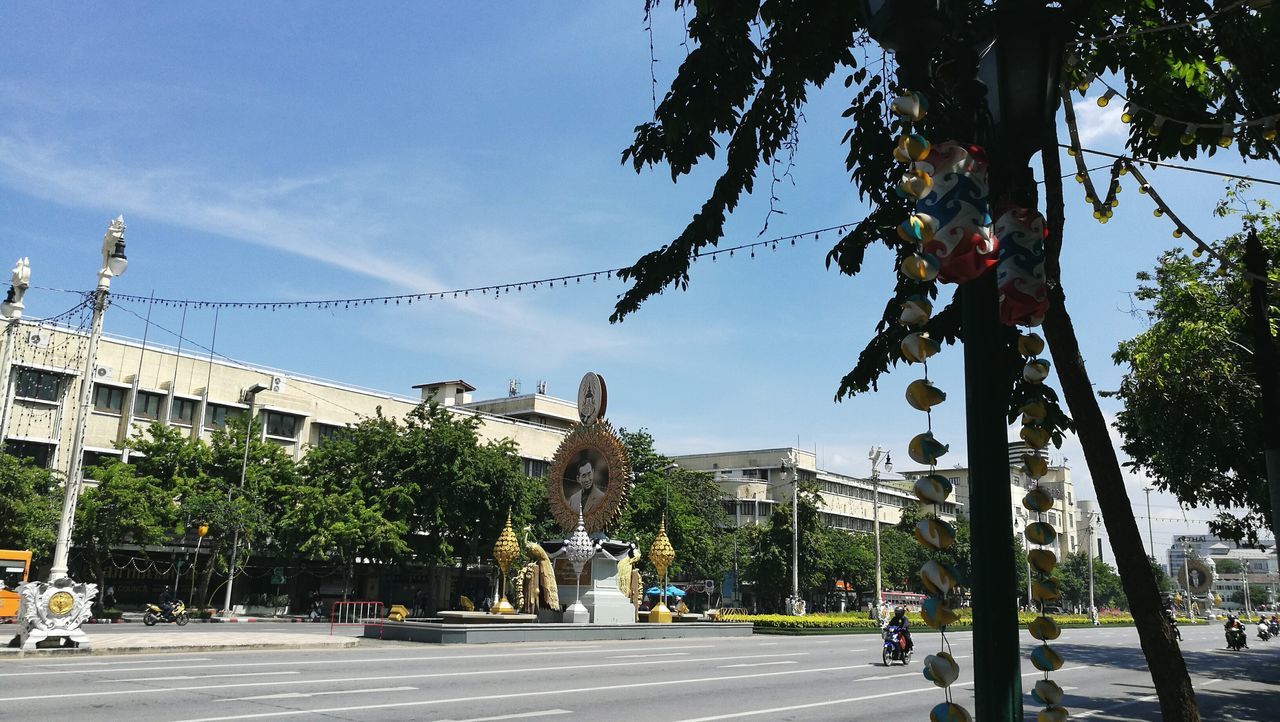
column 54, row 610
column 589, row 474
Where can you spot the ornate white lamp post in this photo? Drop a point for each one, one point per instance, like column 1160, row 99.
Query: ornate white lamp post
column 11, row 312
column 578, row 550
column 114, row 264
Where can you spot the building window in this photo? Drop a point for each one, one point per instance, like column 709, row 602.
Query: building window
column 108, row 399
column 35, row 452
column 282, row 426
column 146, row 405
column 324, row 433
column 183, row 411
column 99, row 458
column 37, row 384
column 730, row 506
column 535, row 468
column 216, row 416
column 747, row 508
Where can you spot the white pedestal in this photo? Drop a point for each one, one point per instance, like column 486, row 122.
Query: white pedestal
column 607, row 604
column 576, row 614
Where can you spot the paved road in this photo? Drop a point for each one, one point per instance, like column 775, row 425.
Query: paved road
column 760, row 678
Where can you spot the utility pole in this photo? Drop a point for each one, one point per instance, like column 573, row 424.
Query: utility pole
column 252, row 395
column 1151, row 541
column 1186, row 577
column 1091, row 604
column 795, row 529
column 874, row 456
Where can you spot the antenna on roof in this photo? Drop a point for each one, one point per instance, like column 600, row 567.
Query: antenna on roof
column 542, row 387
column 513, row 387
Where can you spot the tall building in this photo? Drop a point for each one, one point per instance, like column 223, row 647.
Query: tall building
column 752, row 482
column 135, row 384
column 1064, row 517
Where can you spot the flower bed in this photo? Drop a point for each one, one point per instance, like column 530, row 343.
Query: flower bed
column 854, row 622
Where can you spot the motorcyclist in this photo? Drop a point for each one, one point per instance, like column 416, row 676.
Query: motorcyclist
column 166, row 603
column 1232, row 625
column 1172, row 618
column 899, row 620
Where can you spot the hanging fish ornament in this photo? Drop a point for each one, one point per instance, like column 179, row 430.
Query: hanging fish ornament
column 1036, row 370
column 1045, row 630
column 911, row 148
column 924, row 449
column 922, row 395
column 1053, row 714
column 918, row 228
column 1037, row 437
column 934, row 533
column 1046, row 659
column 912, row 106
column 1030, row 344
column 949, row 712
column 914, row 184
column 1034, row 410
column 1045, row 590
column 1047, row 692
column 937, row 613
column 941, row 669
column 932, row 488
column 938, row 578
column 1041, row 533
column 1034, row 465
column 916, row 311
column 1038, row 499
column 1042, row 560
column 921, row 267
column 917, row 347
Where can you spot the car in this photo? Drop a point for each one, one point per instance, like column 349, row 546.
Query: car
column 1053, row 609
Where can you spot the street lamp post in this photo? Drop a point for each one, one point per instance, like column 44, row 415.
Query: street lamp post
column 11, row 311
column 874, row 455
column 252, row 395
column 114, row 264
column 790, row 462
column 1092, row 608
column 1186, row 576
column 1151, row 540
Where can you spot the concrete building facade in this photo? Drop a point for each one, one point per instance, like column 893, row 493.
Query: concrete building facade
column 753, row 482
column 135, row 384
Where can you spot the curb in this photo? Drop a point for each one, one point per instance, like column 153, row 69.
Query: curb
column 345, row 643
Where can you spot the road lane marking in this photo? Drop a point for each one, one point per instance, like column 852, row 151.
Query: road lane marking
column 303, row 695
column 377, row 678
column 161, row 662
column 1148, row 698
column 535, row 693
column 758, row 664
column 519, row 715
column 648, row 656
column 353, row 662
column 194, row 676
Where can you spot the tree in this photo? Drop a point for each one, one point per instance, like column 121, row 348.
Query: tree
column 770, row 548
column 1257, row 596
column 30, row 502
column 748, row 95
column 123, row 508
column 1197, row 356
column 1228, row 566
column 696, row 522
column 1073, row 576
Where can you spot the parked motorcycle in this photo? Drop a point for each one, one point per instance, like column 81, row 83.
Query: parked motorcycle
column 895, row 647
column 176, row 613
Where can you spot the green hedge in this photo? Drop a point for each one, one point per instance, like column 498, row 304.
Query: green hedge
column 859, row 621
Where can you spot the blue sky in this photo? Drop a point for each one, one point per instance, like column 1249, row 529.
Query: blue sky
column 293, row 151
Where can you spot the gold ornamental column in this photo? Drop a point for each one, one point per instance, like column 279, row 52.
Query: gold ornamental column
column 661, row 553
column 505, row 551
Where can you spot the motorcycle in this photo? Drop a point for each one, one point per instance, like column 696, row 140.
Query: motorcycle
column 895, row 647
column 177, row 613
column 1264, row 632
column 1236, row 640
column 1273, row 628
column 316, row 612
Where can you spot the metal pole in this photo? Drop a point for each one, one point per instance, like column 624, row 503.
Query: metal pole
column 875, row 505
column 1266, row 360
column 1151, row 540
column 1248, row 614
column 235, row 534
column 71, row 495
column 1186, row 576
column 1091, row 605
column 194, row 565
column 795, row 532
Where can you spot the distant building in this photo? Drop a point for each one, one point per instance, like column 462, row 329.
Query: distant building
column 752, row 482
column 1064, row 517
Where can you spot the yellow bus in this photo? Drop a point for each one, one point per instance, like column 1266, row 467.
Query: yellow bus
column 14, row 567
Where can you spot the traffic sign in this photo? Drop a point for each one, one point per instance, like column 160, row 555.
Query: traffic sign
column 708, row 585
column 277, row 575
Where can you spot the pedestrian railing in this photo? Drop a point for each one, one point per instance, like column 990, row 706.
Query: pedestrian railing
column 356, row 614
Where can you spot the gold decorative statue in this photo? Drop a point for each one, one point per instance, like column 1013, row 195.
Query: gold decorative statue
column 661, row 554
column 546, row 575
column 505, row 551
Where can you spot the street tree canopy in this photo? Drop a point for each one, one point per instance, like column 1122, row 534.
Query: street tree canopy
column 1197, row 356
column 30, row 499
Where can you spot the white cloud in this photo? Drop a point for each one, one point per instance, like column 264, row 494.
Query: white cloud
column 1094, row 123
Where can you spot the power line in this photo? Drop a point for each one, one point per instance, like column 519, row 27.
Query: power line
column 1165, row 28
column 1175, row 166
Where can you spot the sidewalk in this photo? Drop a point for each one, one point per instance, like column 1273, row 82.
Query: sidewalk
column 186, row 640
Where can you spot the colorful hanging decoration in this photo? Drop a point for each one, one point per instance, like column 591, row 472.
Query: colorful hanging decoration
column 951, row 233
column 1024, row 296
column 956, row 202
column 1041, row 560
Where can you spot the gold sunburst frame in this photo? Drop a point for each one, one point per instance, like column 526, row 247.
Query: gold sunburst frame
column 600, row 438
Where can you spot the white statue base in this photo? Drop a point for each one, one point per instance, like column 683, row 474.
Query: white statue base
column 576, row 614
column 54, row 611
column 608, row 605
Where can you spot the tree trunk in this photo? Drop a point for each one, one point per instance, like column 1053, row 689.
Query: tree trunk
column 202, row 591
column 1164, row 658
